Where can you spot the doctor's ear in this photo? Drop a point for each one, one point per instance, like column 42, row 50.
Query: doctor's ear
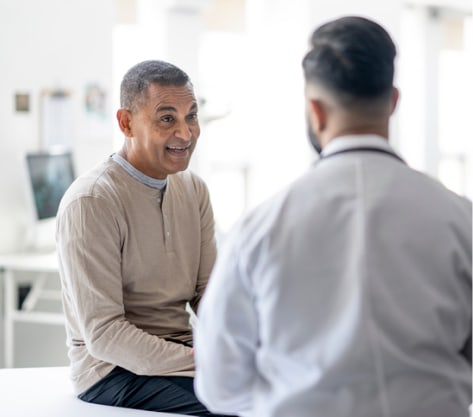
column 317, row 115
column 394, row 99
column 124, row 122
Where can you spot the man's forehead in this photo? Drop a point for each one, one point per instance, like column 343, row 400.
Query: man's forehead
column 171, row 95
column 159, row 89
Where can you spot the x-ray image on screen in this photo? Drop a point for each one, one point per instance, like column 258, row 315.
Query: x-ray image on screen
column 50, row 175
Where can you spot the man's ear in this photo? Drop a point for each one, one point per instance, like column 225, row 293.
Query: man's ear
column 124, row 119
column 394, row 99
column 317, row 115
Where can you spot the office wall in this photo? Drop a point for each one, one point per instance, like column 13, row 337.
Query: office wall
column 49, row 44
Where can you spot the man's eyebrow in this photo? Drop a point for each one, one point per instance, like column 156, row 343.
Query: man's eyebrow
column 173, row 109
column 166, row 108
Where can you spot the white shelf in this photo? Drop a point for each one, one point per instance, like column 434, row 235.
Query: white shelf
column 44, row 267
column 38, row 317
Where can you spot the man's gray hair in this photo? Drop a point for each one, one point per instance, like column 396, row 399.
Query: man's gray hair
column 134, row 85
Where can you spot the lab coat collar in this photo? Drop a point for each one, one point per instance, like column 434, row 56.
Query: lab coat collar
column 356, row 141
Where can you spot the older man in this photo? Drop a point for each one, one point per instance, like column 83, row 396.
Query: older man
column 136, row 245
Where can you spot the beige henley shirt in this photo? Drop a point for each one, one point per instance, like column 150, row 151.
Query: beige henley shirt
column 130, row 259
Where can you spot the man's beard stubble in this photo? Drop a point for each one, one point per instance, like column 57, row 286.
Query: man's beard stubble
column 314, row 140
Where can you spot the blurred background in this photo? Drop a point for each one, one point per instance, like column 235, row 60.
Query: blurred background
column 62, row 62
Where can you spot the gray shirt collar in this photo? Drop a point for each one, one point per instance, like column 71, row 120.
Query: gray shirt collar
column 138, row 175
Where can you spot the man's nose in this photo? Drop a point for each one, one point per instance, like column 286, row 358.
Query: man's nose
column 183, row 131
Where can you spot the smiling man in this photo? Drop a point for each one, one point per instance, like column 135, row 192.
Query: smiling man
column 135, row 239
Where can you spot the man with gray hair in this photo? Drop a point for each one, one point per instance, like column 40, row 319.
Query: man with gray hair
column 135, row 239
column 348, row 293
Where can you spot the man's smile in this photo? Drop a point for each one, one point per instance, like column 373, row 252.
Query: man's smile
column 179, row 150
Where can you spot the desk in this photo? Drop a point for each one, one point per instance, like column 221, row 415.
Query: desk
column 47, row 392
column 42, row 264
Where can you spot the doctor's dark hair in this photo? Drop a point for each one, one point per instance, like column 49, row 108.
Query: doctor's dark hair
column 134, row 86
column 353, row 57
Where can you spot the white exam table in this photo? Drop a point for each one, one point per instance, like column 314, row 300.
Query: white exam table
column 47, row 392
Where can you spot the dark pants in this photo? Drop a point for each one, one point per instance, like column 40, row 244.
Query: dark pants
column 170, row 394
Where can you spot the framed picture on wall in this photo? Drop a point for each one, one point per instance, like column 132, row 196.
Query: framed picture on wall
column 22, row 102
column 56, row 119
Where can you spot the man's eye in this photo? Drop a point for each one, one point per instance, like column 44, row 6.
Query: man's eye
column 167, row 119
column 192, row 116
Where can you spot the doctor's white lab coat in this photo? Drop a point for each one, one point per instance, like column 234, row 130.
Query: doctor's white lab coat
column 347, row 294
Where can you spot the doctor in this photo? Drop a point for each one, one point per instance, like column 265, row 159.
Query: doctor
column 349, row 293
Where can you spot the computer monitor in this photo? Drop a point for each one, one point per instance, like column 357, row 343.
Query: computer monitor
column 49, row 175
